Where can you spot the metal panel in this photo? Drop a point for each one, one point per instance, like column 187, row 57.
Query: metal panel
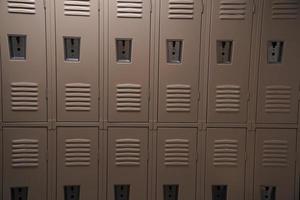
column 24, row 157
column 77, row 60
column 176, row 163
column 127, row 163
column 23, row 53
column 77, row 162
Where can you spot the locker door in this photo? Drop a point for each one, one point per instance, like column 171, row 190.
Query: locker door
column 77, row 60
column 179, row 52
column 23, row 57
column 225, row 163
column 127, row 163
column 176, row 163
column 275, row 164
column 230, row 44
column 24, row 158
column 128, row 67
column 279, row 62
column 77, row 163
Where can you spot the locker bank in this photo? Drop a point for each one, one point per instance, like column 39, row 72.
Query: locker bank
column 150, row 99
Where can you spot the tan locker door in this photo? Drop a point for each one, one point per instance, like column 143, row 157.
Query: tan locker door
column 23, row 65
column 176, row 162
column 24, row 159
column 279, row 79
column 77, row 74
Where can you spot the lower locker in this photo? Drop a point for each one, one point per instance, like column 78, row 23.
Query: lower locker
column 77, row 163
column 176, row 163
column 225, row 163
column 24, row 159
column 127, row 163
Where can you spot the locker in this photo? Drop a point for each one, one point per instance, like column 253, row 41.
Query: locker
column 77, row 163
column 179, row 51
column 128, row 65
column 279, row 61
column 230, row 45
column 176, row 163
column 24, row 159
column 225, row 163
column 23, row 53
column 127, row 163
column 77, row 52
column 275, row 155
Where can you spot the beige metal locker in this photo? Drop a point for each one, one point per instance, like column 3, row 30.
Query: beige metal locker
column 127, row 163
column 129, row 57
column 179, row 52
column 279, row 62
column 23, row 57
column 225, row 163
column 176, row 163
column 230, row 44
column 25, row 153
column 275, row 155
column 77, row 47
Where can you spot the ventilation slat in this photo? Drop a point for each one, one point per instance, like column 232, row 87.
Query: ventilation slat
column 21, row 6
column 178, row 98
column 278, row 99
column 228, row 98
column 176, row 152
column 127, row 152
column 77, row 7
column 77, row 152
column 77, row 97
column 25, row 153
column 225, row 153
column 181, row 9
column 128, row 97
column 285, row 9
column 275, row 153
column 232, row 10
column 129, row 9
column 24, row 96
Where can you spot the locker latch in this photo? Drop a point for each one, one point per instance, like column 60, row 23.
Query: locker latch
column 174, row 51
column 72, row 49
column 19, row 193
column 122, row 192
column 224, row 51
column 124, row 47
column 275, row 50
column 219, row 192
column 72, row 192
column 171, row 192
column 17, row 47
column 268, row 193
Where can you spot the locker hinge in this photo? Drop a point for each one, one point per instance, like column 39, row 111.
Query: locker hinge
column 198, row 96
column 149, row 95
column 253, row 6
column 248, row 96
column 202, row 7
column 151, row 6
column 46, row 90
column 245, row 156
column 46, row 156
column 44, row 2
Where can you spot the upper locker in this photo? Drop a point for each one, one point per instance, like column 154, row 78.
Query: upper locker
column 230, row 43
column 128, row 67
column 279, row 62
column 179, row 51
column 23, row 54
column 77, row 60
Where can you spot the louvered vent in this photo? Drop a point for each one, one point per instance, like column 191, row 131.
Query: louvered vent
column 128, row 152
column 77, row 97
column 176, row 152
column 275, row 153
column 77, row 152
column 232, row 9
column 129, row 8
column 285, row 9
column 25, row 153
column 225, row 153
column 228, row 98
column 178, row 98
column 24, row 96
column 21, row 6
column 129, row 97
column 181, row 9
column 278, row 99
column 77, row 7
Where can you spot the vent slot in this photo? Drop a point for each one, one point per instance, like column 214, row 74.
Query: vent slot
column 278, row 99
column 128, row 152
column 225, row 153
column 129, row 8
column 181, row 9
column 228, row 98
column 275, row 153
column 176, row 152
column 77, row 7
column 285, row 9
column 25, row 153
column 129, row 97
column 232, row 10
column 78, row 97
column 77, row 152
column 178, row 98
column 24, row 96
column 21, row 6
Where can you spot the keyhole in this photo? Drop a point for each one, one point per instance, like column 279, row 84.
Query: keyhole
column 174, row 44
column 274, row 44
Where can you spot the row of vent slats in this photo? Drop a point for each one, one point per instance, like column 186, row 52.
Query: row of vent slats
column 225, row 153
column 275, row 153
column 178, row 98
column 285, row 9
column 78, row 97
column 21, row 6
column 25, row 153
column 181, row 9
column 128, row 152
column 77, row 7
column 77, row 152
column 129, row 97
column 278, row 99
column 176, row 152
column 129, row 8
column 228, row 98
column 231, row 9
column 24, row 96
